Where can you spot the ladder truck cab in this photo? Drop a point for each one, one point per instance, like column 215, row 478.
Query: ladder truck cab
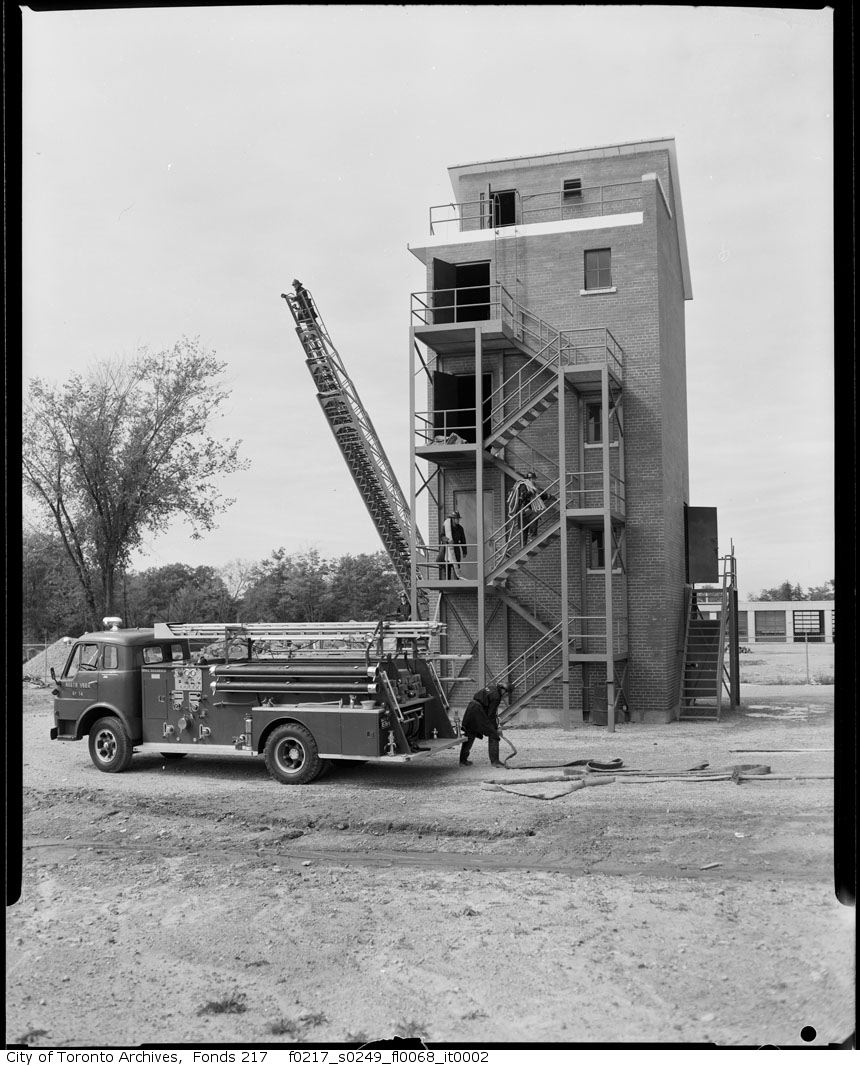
column 301, row 696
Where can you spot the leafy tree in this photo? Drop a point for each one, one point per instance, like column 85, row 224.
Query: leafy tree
column 785, row 591
column 52, row 600
column 236, row 575
column 827, row 591
column 363, row 587
column 121, row 451
column 289, row 588
column 308, row 588
column 176, row 593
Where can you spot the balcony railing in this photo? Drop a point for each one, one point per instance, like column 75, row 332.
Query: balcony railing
column 591, row 202
column 448, row 425
column 588, row 634
column 438, row 562
column 580, row 346
column 585, row 491
column 546, row 345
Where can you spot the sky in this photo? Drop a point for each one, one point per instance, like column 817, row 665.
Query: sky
column 182, row 166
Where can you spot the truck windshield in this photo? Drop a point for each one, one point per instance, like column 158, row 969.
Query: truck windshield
column 84, row 657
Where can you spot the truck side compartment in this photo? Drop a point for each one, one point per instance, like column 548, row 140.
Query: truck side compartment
column 298, row 709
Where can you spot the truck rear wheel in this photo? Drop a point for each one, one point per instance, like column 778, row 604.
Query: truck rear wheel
column 292, row 756
column 110, row 746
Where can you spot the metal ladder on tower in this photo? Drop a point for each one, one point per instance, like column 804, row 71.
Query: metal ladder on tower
column 357, row 439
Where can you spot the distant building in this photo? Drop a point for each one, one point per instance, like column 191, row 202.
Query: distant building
column 778, row 621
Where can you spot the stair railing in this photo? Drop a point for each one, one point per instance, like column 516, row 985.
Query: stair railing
column 519, row 673
column 688, row 613
column 543, row 465
column 727, row 586
column 518, row 391
column 501, row 542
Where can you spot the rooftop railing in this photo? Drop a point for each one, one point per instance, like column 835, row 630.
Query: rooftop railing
column 592, row 201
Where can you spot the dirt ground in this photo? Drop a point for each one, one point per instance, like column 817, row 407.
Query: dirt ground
column 197, row 901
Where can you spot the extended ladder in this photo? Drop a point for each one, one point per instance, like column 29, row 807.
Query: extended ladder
column 357, row 439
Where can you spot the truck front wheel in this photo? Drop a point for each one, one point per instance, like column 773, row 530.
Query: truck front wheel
column 292, row 756
column 110, row 746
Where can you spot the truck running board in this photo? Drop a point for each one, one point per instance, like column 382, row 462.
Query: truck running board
column 168, row 747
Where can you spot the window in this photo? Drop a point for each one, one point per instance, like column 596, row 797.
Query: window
column 571, row 189
column 596, row 553
column 176, row 653
column 593, row 424
column 598, row 269
column 84, row 657
column 808, row 626
column 153, row 654
column 111, row 657
column 770, row 626
column 743, row 626
column 504, row 207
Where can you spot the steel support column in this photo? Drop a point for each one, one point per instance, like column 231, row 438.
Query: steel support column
column 479, row 508
column 607, row 551
column 562, row 547
column 413, row 591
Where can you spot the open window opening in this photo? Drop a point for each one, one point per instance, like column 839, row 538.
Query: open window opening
column 596, row 550
column 504, row 207
column 593, row 423
column 461, row 292
column 454, row 405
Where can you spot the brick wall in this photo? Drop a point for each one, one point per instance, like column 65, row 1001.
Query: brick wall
column 646, row 316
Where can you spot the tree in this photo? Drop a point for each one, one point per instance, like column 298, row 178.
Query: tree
column 120, row 452
column 176, row 593
column 289, row 588
column 827, row 591
column 787, row 591
column 363, row 587
column 308, row 588
column 52, row 601
column 236, row 575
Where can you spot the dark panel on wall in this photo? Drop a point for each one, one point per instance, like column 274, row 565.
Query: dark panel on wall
column 702, row 553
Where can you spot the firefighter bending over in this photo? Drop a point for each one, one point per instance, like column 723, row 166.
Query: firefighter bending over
column 482, row 719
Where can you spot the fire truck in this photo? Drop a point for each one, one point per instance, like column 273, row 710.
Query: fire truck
column 301, row 696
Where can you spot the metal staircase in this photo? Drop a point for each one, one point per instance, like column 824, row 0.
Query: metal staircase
column 357, row 439
column 706, row 669
column 552, row 364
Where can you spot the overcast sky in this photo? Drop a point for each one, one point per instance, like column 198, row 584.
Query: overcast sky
column 182, row 166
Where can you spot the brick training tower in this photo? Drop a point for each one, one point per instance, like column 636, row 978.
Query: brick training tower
column 550, row 341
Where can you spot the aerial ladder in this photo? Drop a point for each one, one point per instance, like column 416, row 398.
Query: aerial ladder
column 357, row 439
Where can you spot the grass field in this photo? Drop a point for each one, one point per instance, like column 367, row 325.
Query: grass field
column 787, row 664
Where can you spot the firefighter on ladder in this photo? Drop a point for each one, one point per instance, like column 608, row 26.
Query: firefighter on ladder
column 307, row 304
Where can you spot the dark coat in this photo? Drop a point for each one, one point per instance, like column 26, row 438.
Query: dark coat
column 482, row 714
column 458, row 538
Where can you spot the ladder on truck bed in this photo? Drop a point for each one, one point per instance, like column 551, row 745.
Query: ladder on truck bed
column 310, row 632
column 357, row 439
